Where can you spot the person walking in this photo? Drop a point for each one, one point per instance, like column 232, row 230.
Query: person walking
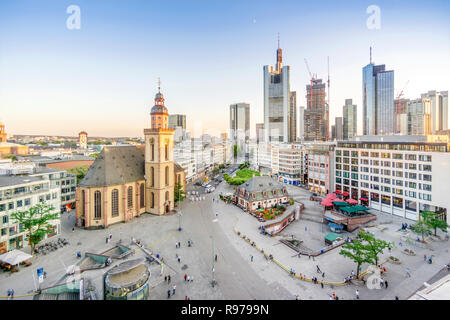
column 318, row 269
column 309, row 256
column 424, row 257
column 73, row 229
column 185, row 277
column 188, row 279
column 168, row 294
column 408, row 273
column 173, row 291
column 357, row 294
column 385, row 284
column 110, row 236
column 192, row 279
column 165, row 279
column 251, row 258
column 299, row 254
column 179, row 259
column 168, row 279
column 215, row 258
column 323, row 275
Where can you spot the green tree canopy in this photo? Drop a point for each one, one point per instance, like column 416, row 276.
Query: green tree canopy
column 79, row 171
column 421, row 228
column 36, row 222
column 432, row 220
column 364, row 249
column 13, row 157
column 178, row 192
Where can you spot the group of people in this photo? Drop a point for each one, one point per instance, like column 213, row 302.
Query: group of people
column 173, row 291
column 10, row 294
column 188, row 278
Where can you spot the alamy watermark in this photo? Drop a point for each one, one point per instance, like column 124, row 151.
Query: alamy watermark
column 374, row 20
column 73, row 22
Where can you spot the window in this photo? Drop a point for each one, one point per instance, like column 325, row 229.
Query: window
column 130, row 197
column 83, row 202
column 397, row 202
column 397, row 156
column 410, row 205
column 386, row 199
column 97, row 205
column 153, row 151
column 152, row 200
column 167, row 175
column 427, row 177
column 426, row 187
column 427, row 167
column 2, row 207
column 11, row 205
column 427, row 197
column 152, row 176
column 115, row 203
column 167, row 195
column 166, row 151
column 142, row 195
column 19, row 203
column 5, row 219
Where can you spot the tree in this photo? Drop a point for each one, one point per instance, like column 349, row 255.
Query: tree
column 94, row 155
column 13, row 157
column 36, row 221
column 178, row 192
column 376, row 245
column 421, row 228
column 79, row 171
column 236, row 150
column 359, row 251
column 431, row 219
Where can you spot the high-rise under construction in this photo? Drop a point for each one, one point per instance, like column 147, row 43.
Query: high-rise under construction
column 317, row 113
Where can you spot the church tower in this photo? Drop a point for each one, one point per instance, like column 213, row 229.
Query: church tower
column 159, row 165
column 3, row 134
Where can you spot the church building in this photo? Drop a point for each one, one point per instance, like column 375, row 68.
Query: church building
column 127, row 181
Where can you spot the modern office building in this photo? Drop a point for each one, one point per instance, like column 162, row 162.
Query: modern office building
column 419, row 117
column 293, row 116
column 350, row 119
column 439, row 110
column 240, row 125
column 400, row 111
column 316, row 127
column 259, row 132
column 177, row 120
column 301, row 123
column 289, row 160
column 338, row 123
column 320, row 160
column 398, row 175
column 20, row 193
column 277, row 102
column 378, row 100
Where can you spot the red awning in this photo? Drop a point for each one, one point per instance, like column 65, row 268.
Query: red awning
column 338, row 192
column 345, row 194
column 331, row 196
column 364, row 199
column 352, row 201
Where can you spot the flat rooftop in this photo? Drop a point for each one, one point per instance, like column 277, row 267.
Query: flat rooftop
column 7, row 181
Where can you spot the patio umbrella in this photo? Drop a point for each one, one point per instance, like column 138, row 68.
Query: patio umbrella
column 326, row 203
column 14, row 257
column 352, row 201
column 345, row 194
column 338, row 192
column 364, row 199
column 331, row 196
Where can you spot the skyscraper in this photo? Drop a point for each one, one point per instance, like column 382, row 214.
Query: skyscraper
column 292, row 116
column 349, row 124
column 338, row 123
column 259, row 132
column 439, row 110
column 400, row 109
column 419, row 117
column 277, row 101
column 317, row 112
column 177, row 120
column 301, row 123
column 378, row 100
column 240, row 124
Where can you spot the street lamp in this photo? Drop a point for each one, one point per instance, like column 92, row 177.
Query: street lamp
column 179, row 221
column 213, row 282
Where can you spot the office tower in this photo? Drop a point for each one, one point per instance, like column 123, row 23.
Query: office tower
column 378, row 100
column 338, row 123
column 177, row 120
column 349, row 121
column 400, row 109
column 301, row 123
column 333, row 132
column 259, row 132
column 277, row 101
column 439, row 110
column 240, row 124
column 419, row 117
column 317, row 113
column 292, row 116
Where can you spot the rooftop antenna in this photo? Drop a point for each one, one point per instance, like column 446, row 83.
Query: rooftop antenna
column 371, row 55
column 159, row 85
column 278, row 40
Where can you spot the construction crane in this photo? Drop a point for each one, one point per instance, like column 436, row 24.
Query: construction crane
column 311, row 84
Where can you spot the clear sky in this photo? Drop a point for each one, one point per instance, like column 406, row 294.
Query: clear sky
column 102, row 78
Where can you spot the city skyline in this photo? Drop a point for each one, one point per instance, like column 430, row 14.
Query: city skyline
column 102, row 78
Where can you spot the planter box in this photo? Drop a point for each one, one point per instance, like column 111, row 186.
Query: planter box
column 395, row 261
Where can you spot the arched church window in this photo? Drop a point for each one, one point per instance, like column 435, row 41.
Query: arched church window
column 130, row 197
column 115, row 203
column 167, row 175
column 97, row 205
column 152, row 177
column 166, row 147
column 153, row 151
column 167, row 195
column 152, row 200
column 142, row 195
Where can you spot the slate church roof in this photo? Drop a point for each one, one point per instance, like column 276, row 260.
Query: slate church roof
column 118, row 165
column 115, row 165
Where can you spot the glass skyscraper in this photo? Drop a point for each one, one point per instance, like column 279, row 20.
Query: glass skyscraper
column 378, row 100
